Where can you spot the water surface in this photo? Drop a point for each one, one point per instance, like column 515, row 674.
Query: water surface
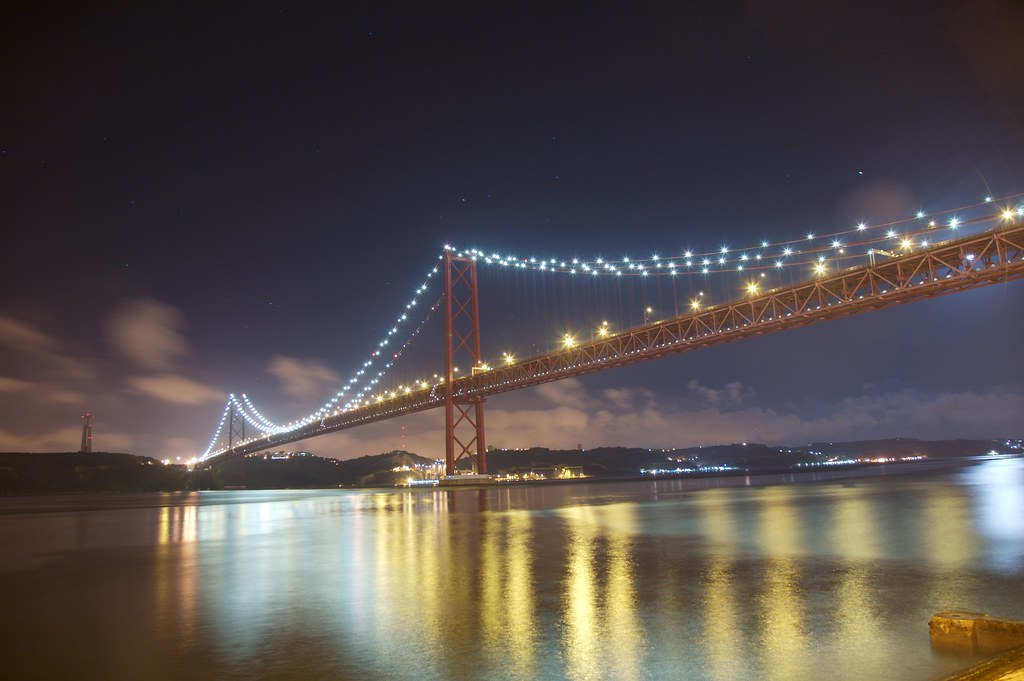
column 778, row 577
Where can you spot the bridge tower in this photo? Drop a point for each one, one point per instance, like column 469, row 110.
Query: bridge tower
column 86, row 433
column 463, row 415
column 235, row 469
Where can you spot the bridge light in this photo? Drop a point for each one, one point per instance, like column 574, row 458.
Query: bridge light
column 954, row 223
column 1008, row 214
column 820, row 268
column 787, row 251
column 920, row 214
column 695, row 304
column 906, row 244
column 568, row 341
column 861, row 227
column 752, row 288
column 509, row 359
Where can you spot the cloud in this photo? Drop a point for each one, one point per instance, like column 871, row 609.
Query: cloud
column 175, row 389
column 563, row 393
column 732, row 394
column 146, row 333
column 40, row 351
column 304, row 379
column 40, row 391
column 565, row 413
column 14, row 385
column 20, row 335
column 64, row 440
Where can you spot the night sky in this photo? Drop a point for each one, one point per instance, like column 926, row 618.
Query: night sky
column 203, row 198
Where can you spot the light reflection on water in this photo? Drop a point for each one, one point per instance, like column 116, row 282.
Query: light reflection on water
column 640, row 580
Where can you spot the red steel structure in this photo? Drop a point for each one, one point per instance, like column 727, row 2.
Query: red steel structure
column 992, row 257
column 463, row 412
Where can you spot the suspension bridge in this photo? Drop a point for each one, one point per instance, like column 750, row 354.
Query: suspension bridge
column 765, row 288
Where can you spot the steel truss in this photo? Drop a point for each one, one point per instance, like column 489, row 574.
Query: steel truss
column 463, row 412
column 970, row 262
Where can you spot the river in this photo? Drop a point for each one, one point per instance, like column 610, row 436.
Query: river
column 811, row 576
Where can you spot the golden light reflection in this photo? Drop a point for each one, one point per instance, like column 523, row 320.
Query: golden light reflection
column 599, row 595
column 580, row 635
column 520, row 585
column 783, row 634
column 949, row 541
column 723, row 635
column 782, row 607
column 176, row 569
column 621, row 621
column 946, row 521
column 779, row 527
column 852, row 531
column 507, row 599
column 855, row 537
column 491, row 581
column 855, row 616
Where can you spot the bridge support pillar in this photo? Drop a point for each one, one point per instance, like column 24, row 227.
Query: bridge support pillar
column 234, row 470
column 463, row 414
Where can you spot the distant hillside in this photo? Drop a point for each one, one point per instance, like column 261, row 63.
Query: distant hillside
column 308, row 471
column 70, row 472
column 627, row 461
column 76, row 472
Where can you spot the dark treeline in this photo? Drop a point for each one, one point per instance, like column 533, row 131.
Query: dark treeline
column 78, row 472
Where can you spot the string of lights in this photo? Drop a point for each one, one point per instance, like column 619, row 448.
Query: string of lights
column 900, row 234
column 248, row 411
column 817, row 252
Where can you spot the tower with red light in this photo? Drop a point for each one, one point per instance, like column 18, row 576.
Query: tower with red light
column 86, row 433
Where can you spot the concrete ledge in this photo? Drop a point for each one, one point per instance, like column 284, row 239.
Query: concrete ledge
column 1007, row 666
column 973, row 633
